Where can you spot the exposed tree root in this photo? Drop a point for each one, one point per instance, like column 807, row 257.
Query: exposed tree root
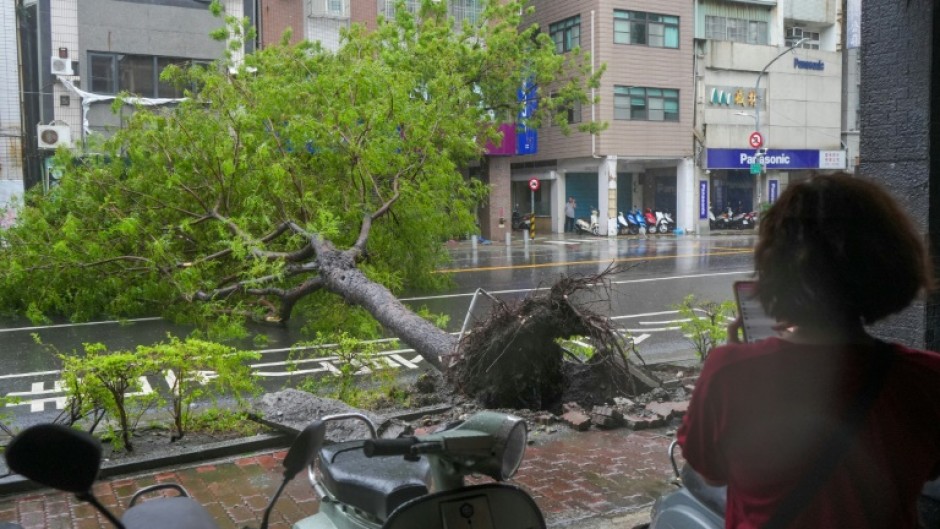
column 512, row 359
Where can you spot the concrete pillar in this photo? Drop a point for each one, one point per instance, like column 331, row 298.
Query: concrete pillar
column 900, row 51
column 606, row 191
column 686, row 205
column 496, row 215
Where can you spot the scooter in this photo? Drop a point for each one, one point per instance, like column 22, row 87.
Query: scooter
column 592, row 228
column 519, row 222
column 415, row 482
column 637, row 218
column 624, row 227
column 721, row 222
column 69, row 460
column 698, row 505
column 664, row 222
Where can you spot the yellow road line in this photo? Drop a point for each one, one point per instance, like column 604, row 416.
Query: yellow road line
column 595, row 261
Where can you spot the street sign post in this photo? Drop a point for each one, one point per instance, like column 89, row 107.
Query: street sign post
column 756, row 168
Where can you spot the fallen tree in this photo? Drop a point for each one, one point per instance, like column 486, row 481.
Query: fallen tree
column 513, row 358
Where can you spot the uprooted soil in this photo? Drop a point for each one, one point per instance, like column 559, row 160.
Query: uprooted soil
column 513, row 360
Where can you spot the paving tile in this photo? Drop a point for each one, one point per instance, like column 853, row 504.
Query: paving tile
column 570, row 476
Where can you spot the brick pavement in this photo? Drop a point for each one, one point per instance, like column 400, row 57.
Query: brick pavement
column 574, row 477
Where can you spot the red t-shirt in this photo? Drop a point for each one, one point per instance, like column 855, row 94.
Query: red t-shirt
column 762, row 412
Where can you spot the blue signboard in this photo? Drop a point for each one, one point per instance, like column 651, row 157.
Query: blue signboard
column 773, row 189
column 703, row 199
column 773, row 159
column 527, row 139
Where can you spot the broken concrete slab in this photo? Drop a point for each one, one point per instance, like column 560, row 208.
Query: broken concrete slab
column 606, row 417
column 669, row 410
column 577, row 420
column 292, row 410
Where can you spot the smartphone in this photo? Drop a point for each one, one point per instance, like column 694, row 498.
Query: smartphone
column 756, row 323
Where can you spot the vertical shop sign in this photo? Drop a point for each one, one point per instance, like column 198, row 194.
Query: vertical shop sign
column 703, row 199
column 527, row 138
column 773, row 188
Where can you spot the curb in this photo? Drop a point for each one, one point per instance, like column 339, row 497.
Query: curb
column 14, row 483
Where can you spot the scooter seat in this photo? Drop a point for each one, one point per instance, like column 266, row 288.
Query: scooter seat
column 715, row 498
column 179, row 512
column 376, row 485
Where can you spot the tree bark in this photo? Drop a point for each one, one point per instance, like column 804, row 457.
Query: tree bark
column 341, row 276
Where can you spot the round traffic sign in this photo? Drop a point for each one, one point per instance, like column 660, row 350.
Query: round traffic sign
column 755, row 140
column 534, row 184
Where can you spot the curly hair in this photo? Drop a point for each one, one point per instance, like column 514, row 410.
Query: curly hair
column 838, row 249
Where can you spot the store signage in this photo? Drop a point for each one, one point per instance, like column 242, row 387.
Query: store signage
column 703, row 199
column 800, row 64
column 734, row 96
column 773, row 189
column 779, row 159
column 527, row 139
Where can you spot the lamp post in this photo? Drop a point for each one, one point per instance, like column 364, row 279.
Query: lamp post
column 756, row 116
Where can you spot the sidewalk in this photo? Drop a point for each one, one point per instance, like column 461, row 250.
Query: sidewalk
column 592, row 479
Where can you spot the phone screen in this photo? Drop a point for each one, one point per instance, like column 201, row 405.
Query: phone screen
column 757, row 325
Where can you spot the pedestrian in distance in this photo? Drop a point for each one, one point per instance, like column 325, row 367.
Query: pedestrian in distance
column 570, row 215
column 823, row 425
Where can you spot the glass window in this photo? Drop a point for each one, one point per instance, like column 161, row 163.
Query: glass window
column 649, row 104
column 566, row 34
column 736, row 29
column 138, row 74
column 102, row 74
column 649, row 29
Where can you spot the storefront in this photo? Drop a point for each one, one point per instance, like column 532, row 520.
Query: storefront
column 743, row 179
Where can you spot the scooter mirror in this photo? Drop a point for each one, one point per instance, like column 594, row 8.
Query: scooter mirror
column 56, row 456
column 304, row 449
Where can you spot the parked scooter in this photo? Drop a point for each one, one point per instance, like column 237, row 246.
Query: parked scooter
column 637, row 218
column 519, row 222
column 664, row 222
column 69, row 460
column 720, row 222
column 592, row 228
column 698, row 505
column 419, row 481
column 624, row 227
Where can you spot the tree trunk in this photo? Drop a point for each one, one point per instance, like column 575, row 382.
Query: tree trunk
column 341, row 277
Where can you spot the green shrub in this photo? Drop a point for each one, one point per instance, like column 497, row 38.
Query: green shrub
column 705, row 322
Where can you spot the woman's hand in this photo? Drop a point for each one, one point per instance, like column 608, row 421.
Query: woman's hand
column 734, row 329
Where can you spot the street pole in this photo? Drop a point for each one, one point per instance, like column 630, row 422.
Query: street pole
column 760, row 188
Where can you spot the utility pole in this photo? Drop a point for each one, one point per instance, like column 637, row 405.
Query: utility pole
column 757, row 152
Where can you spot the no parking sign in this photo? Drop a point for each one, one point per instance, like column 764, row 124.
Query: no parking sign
column 534, row 184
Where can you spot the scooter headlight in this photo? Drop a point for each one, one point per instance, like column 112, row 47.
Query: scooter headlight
column 507, row 450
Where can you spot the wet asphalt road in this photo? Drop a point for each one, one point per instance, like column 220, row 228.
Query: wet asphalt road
column 658, row 273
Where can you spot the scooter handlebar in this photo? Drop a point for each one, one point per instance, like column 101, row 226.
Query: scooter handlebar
column 389, row 447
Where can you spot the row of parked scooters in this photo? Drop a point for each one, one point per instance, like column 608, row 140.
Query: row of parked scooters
column 638, row 222
column 729, row 220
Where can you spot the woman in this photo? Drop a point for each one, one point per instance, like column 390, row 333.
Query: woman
column 835, row 253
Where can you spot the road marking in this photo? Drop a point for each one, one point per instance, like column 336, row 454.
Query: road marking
column 557, row 264
column 83, row 324
column 621, row 282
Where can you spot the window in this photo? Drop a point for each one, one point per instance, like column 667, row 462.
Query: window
column 138, row 74
column 646, row 104
column 636, row 27
column 735, row 29
column 794, row 34
column 573, row 111
column 566, row 34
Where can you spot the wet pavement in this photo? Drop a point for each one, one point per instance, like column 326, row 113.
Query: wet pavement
column 578, row 480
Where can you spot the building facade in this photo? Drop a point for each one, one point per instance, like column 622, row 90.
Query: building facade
column 644, row 158
column 768, row 100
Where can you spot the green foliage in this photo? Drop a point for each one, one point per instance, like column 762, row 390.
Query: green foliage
column 112, row 381
column 197, row 369
column 182, row 214
column 361, row 378
column 577, row 346
column 222, row 420
column 704, row 323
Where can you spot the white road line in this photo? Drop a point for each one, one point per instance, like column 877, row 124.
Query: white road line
column 84, row 324
column 623, row 282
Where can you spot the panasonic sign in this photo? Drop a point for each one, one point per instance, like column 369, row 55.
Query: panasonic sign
column 780, row 159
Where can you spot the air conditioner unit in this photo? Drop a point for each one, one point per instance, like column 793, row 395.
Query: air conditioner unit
column 61, row 66
column 53, row 136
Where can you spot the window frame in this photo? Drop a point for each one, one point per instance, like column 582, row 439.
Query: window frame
column 743, row 30
column 566, row 34
column 633, row 20
column 641, row 103
column 114, row 75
